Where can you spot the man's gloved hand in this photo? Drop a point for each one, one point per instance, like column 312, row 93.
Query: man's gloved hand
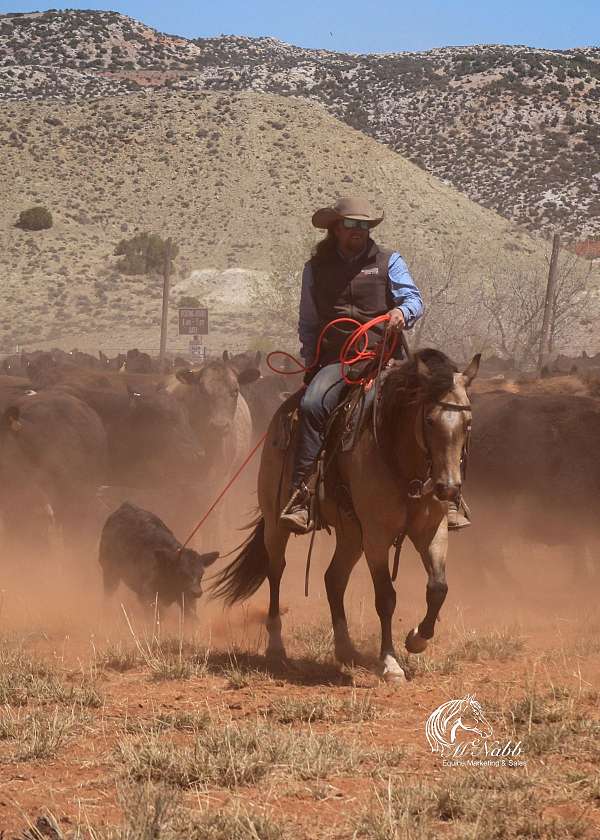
column 396, row 321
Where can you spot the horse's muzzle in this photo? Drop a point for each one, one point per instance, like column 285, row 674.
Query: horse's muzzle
column 447, row 492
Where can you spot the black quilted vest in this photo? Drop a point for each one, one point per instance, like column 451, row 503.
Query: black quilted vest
column 359, row 289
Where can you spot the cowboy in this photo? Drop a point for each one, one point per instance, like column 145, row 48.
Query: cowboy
column 348, row 276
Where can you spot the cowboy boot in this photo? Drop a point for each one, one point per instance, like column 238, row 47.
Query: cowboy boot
column 456, row 518
column 295, row 516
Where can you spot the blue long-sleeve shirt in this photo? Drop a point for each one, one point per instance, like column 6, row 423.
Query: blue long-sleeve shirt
column 405, row 295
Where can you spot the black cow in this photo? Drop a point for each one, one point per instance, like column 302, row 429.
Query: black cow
column 111, row 364
column 138, row 362
column 137, row 548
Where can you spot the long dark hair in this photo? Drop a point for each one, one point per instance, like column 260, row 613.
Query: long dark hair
column 325, row 248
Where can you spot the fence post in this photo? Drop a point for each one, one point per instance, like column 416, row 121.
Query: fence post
column 549, row 303
column 165, row 301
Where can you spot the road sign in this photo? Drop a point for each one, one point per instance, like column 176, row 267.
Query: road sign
column 193, row 321
column 196, row 347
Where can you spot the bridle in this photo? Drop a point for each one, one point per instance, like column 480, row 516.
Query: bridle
column 419, row 487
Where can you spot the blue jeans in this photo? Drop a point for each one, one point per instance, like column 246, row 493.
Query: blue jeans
column 319, row 400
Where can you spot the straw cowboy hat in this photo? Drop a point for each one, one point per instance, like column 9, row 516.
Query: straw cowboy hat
column 348, row 207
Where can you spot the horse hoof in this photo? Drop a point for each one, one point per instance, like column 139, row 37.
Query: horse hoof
column 392, row 672
column 414, row 642
column 393, row 678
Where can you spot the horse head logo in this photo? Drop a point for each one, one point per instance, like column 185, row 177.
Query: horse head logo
column 445, row 725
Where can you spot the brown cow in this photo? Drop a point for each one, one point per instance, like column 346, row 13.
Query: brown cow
column 263, row 395
column 59, row 443
column 534, row 475
column 219, row 417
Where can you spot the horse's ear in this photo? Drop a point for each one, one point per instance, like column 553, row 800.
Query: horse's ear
column 226, row 356
column 423, row 371
column 470, row 372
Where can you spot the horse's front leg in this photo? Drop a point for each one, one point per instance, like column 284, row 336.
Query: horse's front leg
column 432, row 545
column 377, row 554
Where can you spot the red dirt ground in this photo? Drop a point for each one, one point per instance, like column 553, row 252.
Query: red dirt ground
column 57, row 616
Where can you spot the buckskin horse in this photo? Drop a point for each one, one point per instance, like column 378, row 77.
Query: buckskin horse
column 403, row 467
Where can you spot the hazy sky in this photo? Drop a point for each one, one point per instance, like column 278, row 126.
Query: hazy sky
column 349, row 25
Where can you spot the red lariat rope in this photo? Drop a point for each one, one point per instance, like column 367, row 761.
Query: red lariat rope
column 248, row 458
column 355, row 349
column 351, row 353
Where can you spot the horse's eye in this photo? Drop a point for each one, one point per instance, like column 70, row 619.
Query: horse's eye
column 429, row 421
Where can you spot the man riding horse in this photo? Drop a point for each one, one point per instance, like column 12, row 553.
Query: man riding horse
column 348, row 276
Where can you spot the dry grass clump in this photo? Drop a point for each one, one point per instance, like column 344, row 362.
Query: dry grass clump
column 118, row 657
column 231, row 756
column 38, row 735
column 477, row 805
column 155, row 812
column 25, row 679
column 171, row 658
column 179, row 721
column 315, row 641
column 501, row 645
column 356, row 708
column 548, row 720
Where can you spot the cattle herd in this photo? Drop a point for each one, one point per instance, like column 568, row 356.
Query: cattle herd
column 86, row 441
column 80, row 436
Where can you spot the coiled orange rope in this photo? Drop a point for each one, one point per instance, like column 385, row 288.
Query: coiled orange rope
column 354, row 350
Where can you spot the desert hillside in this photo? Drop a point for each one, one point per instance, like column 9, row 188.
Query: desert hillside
column 514, row 128
column 234, row 179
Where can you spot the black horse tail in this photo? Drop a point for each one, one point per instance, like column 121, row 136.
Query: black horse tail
column 244, row 575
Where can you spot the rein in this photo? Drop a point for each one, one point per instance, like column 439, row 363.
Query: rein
column 419, row 487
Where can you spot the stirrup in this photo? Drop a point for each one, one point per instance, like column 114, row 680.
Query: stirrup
column 295, row 516
column 459, row 516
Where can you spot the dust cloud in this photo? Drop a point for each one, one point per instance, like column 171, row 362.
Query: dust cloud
column 497, row 579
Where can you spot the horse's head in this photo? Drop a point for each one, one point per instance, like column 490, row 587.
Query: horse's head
column 444, row 419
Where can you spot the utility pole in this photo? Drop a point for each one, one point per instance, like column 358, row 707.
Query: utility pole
column 165, row 301
column 549, row 304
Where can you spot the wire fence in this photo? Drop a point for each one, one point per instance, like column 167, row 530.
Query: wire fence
column 200, row 351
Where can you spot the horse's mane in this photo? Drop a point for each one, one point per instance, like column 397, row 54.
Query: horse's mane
column 402, row 385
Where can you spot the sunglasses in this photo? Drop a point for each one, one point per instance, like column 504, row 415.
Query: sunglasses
column 355, row 223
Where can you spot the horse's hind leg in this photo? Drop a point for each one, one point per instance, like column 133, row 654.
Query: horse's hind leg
column 275, row 542
column 348, row 550
column 432, row 548
column 377, row 553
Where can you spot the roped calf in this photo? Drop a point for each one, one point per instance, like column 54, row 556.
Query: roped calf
column 137, row 548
